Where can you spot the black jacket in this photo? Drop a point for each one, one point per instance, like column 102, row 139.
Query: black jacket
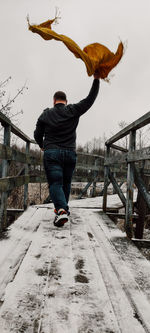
column 56, row 127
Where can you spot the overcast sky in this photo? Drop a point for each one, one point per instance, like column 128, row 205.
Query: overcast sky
column 48, row 66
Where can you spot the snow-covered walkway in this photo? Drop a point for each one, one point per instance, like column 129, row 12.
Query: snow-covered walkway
column 86, row 277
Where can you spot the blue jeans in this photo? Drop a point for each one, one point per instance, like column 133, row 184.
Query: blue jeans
column 59, row 165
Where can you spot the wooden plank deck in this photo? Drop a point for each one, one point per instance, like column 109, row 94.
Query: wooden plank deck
column 86, row 277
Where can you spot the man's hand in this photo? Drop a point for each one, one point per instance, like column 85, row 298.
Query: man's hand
column 96, row 75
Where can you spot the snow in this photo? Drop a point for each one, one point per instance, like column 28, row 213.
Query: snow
column 86, row 277
column 97, row 202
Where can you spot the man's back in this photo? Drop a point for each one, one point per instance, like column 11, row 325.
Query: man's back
column 58, row 124
column 59, row 127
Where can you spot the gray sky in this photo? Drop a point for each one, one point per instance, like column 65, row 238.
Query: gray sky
column 49, row 66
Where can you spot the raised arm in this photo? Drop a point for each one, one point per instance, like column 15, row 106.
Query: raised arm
column 85, row 104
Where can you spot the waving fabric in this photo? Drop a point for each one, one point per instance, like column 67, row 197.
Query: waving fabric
column 97, row 58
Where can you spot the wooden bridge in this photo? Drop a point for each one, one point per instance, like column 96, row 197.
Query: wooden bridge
column 87, row 277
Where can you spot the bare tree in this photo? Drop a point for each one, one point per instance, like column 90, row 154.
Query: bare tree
column 142, row 136
column 124, row 141
column 7, row 101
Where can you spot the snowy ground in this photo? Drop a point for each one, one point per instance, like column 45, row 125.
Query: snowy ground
column 86, row 277
column 97, row 202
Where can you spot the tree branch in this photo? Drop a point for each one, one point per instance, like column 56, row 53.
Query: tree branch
column 20, row 91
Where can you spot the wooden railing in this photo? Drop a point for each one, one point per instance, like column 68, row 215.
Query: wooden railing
column 137, row 174
column 7, row 154
column 91, row 167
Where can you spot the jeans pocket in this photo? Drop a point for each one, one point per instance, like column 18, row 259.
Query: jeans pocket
column 52, row 155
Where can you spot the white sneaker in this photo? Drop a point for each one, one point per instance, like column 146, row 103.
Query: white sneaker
column 60, row 218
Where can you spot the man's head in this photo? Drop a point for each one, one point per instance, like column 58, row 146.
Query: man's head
column 60, row 97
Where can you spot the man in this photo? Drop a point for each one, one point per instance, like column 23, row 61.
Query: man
column 55, row 133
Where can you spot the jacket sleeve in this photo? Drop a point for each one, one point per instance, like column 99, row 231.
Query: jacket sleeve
column 85, row 104
column 39, row 132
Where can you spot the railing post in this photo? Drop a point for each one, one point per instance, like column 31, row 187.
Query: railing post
column 94, row 182
column 5, row 169
column 130, row 188
column 141, row 206
column 114, row 175
column 106, row 181
column 26, row 173
column 40, row 178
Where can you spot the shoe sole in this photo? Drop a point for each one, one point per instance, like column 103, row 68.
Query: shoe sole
column 61, row 222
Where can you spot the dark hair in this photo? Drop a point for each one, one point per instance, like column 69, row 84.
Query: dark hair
column 60, row 95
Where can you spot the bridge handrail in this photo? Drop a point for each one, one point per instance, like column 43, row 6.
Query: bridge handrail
column 137, row 173
column 12, row 154
column 141, row 122
column 5, row 121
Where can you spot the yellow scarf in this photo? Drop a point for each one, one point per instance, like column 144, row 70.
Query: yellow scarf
column 97, row 58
